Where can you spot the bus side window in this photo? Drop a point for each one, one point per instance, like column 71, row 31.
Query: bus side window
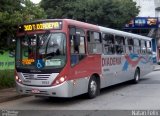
column 94, row 42
column 119, row 44
column 149, row 49
column 137, row 47
column 77, row 45
column 143, row 47
column 108, row 44
column 129, row 46
column 140, row 46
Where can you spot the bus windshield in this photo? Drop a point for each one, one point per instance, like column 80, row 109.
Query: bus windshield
column 41, row 51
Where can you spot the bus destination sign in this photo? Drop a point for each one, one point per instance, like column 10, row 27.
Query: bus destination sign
column 41, row 26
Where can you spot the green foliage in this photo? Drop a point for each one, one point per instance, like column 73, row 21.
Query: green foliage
column 13, row 14
column 7, row 79
column 32, row 11
column 110, row 13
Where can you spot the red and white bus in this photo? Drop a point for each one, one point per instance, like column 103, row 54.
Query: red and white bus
column 66, row 58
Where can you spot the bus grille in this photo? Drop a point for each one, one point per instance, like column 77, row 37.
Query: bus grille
column 36, row 76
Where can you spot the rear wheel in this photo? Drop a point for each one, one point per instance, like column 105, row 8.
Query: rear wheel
column 93, row 87
column 136, row 76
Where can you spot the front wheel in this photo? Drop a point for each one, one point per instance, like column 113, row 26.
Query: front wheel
column 93, row 88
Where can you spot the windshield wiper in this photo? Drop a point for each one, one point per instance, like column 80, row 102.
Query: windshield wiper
column 27, row 38
column 43, row 49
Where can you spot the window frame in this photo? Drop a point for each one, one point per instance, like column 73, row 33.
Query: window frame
column 122, row 44
column 108, row 45
column 94, row 47
column 129, row 45
column 76, row 57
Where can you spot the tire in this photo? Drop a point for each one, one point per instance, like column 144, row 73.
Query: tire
column 93, row 88
column 136, row 76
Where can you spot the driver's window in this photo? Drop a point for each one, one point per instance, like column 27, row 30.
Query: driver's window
column 77, row 45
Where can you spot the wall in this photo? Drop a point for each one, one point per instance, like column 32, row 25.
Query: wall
column 7, row 60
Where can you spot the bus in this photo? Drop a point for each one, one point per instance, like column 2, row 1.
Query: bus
column 66, row 58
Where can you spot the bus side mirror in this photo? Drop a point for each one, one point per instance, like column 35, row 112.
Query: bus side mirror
column 76, row 40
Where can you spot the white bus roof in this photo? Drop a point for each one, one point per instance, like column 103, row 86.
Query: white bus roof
column 121, row 33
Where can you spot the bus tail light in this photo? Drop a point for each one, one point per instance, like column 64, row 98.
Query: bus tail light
column 59, row 80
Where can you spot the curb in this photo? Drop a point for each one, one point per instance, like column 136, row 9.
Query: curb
column 12, row 98
column 156, row 69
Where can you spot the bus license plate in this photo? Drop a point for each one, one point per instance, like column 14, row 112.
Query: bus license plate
column 45, row 82
column 35, row 91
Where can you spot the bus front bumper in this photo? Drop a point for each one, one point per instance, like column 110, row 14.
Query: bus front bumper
column 62, row 90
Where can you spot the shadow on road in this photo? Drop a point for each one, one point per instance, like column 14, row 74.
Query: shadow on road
column 77, row 99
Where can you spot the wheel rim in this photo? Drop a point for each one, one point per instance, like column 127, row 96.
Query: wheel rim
column 137, row 76
column 93, row 87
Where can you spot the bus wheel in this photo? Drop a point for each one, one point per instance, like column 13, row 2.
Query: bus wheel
column 136, row 76
column 93, row 87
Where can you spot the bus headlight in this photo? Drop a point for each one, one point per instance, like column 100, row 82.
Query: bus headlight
column 62, row 79
column 59, row 80
column 18, row 79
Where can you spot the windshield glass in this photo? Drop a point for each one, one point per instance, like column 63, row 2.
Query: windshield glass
column 40, row 51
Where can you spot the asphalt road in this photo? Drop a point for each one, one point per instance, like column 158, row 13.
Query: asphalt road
column 142, row 96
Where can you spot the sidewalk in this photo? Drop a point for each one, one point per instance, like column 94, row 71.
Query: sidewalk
column 9, row 94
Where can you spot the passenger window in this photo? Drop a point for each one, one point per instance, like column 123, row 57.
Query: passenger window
column 108, row 44
column 119, row 44
column 94, row 42
column 137, row 46
column 129, row 46
column 143, row 47
column 149, row 50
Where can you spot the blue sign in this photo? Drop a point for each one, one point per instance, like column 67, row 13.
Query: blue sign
column 40, row 63
column 143, row 22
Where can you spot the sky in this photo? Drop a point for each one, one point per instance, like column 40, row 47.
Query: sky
column 35, row 1
column 147, row 7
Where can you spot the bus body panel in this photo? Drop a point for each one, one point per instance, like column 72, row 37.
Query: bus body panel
column 81, row 73
column 62, row 90
column 112, row 69
column 69, row 88
column 146, row 64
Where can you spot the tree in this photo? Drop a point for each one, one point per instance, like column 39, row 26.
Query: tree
column 14, row 13
column 57, row 8
column 113, row 13
column 32, row 11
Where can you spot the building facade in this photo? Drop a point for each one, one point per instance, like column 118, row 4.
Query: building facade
column 149, row 9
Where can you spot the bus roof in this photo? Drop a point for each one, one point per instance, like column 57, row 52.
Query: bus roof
column 94, row 27
column 68, row 21
column 109, row 30
column 122, row 33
